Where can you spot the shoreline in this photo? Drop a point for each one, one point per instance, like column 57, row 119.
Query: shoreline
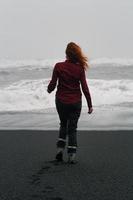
column 101, row 119
column 51, row 131
column 78, row 130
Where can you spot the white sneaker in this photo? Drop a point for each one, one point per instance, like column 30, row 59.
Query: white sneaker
column 71, row 158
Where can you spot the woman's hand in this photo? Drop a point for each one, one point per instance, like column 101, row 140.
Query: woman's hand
column 90, row 110
column 48, row 90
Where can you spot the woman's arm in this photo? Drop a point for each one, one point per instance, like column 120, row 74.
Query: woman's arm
column 86, row 91
column 52, row 84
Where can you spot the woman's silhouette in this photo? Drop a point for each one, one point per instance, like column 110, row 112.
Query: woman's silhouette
column 70, row 74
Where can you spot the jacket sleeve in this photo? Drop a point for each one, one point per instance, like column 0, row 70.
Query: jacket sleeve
column 85, row 88
column 53, row 82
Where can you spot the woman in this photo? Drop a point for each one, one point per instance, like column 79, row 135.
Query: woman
column 70, row 74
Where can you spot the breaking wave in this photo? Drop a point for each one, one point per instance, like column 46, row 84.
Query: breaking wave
column 31, row 95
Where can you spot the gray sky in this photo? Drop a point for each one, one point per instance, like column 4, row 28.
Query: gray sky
column 42, row 28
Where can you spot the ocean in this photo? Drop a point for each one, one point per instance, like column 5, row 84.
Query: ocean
column 23, row 85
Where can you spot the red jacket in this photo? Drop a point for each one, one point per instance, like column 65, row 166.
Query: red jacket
column 69, row 76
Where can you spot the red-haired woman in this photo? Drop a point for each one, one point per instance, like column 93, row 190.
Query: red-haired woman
column 70, row 74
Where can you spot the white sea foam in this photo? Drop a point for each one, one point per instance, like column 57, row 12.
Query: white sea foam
column 108, row 92
column 26, row 95
column 31, row 95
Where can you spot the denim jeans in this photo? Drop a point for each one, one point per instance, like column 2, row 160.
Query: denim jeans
column 68, row 115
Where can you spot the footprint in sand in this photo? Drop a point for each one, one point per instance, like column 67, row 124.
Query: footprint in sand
column 43, row 169
column 35, row 178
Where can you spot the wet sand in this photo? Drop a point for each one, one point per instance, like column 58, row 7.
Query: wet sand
column 103, row 118
column 104, row 170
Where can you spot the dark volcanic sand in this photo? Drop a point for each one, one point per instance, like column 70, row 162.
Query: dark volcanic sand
column 104, row 170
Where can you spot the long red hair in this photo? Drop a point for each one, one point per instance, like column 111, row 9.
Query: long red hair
column 74, row 54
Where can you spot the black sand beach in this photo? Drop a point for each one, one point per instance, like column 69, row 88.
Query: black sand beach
column 104, row 170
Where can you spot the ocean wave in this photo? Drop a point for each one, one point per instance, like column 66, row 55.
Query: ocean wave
column 4, row 73
column 110, row 92
column 49, row 63
column 31, row 95
column 29, row 64
column 113, row 62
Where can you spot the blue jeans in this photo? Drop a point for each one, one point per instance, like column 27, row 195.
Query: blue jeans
column 68, row 115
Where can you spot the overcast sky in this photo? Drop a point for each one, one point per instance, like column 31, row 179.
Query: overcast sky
column 42, row 28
